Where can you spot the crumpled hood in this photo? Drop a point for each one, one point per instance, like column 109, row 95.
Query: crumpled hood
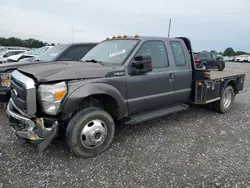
column 65, row 70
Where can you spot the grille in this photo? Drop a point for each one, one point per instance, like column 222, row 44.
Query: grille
column 23, row 93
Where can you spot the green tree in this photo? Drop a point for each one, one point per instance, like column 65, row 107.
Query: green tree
column 229, row 52
column 30, row 43
column 240, row 53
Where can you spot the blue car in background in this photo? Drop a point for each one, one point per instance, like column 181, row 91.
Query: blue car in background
column 208, row 60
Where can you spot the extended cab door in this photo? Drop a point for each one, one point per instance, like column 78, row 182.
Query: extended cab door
column 154, row 89
column 182, row 74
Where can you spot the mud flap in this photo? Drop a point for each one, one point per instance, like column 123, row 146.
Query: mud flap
column 44, row 144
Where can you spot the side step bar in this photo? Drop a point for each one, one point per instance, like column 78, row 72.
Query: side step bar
column 155, row 114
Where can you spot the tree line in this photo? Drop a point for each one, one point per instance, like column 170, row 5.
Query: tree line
column 28, row 43
column 231, row 52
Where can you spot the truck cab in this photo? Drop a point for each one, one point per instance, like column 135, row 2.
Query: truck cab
column 123, row 79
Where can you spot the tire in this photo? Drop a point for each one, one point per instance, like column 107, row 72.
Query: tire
column 221, row 67
column 90, row 120
column 225, row 103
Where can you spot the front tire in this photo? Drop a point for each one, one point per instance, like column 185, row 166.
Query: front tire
column 90, row 132
column 226, row 101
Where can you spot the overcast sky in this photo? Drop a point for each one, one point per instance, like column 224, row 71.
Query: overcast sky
column 210, row 24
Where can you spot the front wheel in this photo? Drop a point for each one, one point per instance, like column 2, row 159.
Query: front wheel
column 90, row 132
column 226, row 101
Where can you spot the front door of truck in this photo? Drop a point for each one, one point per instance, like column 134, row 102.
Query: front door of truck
column 182, row 73
column 153, row 89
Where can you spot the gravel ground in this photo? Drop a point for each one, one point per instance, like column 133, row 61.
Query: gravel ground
column 197, row 148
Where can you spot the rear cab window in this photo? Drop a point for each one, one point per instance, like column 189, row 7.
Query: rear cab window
column 179, row 53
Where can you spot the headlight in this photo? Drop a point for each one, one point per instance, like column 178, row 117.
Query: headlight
column 51, row 96
column 5, row 79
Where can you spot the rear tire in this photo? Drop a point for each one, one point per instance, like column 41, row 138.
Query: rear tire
column 90, row 132
column 221, row 67
column 226, row 101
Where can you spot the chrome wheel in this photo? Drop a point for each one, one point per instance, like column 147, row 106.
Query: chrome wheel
column 93, row 134
column 227, row 99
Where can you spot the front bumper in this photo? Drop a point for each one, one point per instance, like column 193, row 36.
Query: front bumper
column 33, row 130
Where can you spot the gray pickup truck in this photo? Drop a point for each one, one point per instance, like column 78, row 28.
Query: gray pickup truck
column 123, row 79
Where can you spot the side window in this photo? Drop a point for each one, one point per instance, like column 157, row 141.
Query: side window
column 214, row 56
column 157, row 51
column 10, row 53
column 179, row 55
column 76, row 53
column 18, row 52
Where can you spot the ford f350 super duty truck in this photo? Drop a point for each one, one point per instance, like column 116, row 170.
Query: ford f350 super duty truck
column 123, row 79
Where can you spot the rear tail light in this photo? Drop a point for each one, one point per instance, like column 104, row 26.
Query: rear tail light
column 197, row 59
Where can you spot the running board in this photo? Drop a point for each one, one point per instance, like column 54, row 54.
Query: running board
column 155, row 114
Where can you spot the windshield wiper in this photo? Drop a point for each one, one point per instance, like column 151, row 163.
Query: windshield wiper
column 94, row 61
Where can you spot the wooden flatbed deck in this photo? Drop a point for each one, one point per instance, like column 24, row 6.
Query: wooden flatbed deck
column 214, row 74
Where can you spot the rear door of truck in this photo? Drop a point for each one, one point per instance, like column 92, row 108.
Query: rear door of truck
column 182, row 73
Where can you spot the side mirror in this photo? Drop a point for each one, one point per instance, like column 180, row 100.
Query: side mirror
column 5, row 55
column 140, row 65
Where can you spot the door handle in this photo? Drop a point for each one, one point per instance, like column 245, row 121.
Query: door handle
column 171, row 77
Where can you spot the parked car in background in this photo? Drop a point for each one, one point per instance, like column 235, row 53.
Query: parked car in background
column 209, row 60
column 231, row 59
column 241, row 58
column 67, row 52
column 28, row 54
column 226, row 58
column 7, row 53
column 248, row 59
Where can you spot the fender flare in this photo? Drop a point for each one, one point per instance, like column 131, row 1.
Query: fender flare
column 203, row 63
column 71, row 102
column 226, row 83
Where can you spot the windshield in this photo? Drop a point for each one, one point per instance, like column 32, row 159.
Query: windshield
column 3, row 52
column 51, row 53
column 39, row 51
column 113, row 51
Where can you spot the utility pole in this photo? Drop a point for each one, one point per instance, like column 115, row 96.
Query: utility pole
column 169, row 27
column 72, row 34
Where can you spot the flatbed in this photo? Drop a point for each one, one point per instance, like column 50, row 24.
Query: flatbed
column 214, row 74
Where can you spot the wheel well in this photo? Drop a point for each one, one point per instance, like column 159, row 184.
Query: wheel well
column 103, row 101
column 233, row 83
